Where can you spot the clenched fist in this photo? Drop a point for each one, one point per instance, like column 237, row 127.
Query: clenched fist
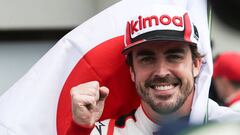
column 88, row 103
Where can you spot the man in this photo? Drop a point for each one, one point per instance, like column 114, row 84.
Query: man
column 161, row 50
column 227, row 78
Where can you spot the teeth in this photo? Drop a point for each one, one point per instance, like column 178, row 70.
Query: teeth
column 165, row 87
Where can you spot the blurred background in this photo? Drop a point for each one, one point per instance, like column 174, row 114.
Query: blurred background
column 29, row 28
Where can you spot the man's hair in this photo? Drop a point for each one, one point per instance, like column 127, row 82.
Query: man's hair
column 194, row 51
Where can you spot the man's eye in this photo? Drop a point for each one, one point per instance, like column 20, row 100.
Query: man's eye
column 146, row 60
column 175, row 57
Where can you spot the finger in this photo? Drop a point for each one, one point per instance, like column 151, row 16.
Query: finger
column 90, row 88
column 82, row 116
column 87, row 101
column 83, row 86
column 91, row 84
column 103, row 91
column 85, row 91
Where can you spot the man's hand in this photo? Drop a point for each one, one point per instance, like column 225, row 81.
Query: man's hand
column 88, row 103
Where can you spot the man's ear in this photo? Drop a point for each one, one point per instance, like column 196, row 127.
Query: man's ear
column 197, row 63
column 132, row 74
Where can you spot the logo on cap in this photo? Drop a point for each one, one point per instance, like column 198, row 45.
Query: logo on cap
column 154, row 21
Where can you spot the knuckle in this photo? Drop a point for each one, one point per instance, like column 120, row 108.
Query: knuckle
column 72, row 90
column 95, row 82
column 93, row 92
column 75, row 97
column 92, row 99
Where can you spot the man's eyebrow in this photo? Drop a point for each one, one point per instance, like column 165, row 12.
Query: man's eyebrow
column 176, row 50
column 144, row 52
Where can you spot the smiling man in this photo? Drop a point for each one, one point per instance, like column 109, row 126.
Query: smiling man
column 161, row 49
column 164, row 76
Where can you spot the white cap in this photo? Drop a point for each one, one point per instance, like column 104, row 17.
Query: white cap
column 161, row 23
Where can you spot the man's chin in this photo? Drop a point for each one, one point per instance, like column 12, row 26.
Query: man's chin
column 167, row 106
column 165, row 111
column 164, row 108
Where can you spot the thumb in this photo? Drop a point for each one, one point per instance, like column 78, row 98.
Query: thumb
column 103, row 93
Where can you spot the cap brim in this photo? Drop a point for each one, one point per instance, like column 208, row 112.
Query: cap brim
column 162, row 39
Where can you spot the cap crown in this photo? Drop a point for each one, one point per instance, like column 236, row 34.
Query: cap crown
column 160, row 23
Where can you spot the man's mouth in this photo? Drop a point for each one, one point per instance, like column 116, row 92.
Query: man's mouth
column 162, row 84
column 162, row 87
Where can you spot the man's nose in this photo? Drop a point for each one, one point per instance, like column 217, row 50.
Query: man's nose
column 161, row 69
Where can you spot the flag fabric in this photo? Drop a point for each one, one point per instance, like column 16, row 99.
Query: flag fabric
column 39, row 103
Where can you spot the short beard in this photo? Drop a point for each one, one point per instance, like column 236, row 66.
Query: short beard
column 161, row 108
column 164, row 110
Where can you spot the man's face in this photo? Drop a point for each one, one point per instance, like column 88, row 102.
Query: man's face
column 164, row 74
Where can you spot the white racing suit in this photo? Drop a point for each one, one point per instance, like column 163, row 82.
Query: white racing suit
column 138, row 123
